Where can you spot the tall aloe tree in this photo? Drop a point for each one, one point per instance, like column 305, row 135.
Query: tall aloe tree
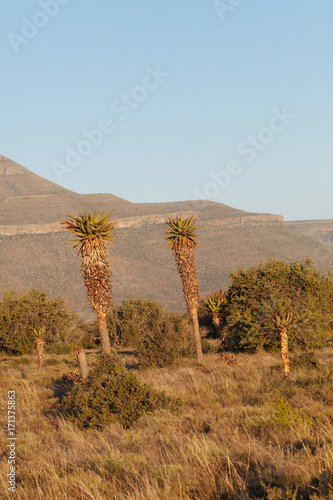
column 282, row 323
column 181, row 237
column 92, row 232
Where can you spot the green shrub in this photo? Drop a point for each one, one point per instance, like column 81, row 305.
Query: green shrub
column 284, row 415
column 164, row 345
column 159, row 338
column 90, row 336
column 257, row 294
column 110, row 393
column 306, row 359
column 20, row 313
column 210, row 345
column 134, row 319
column 206, row 320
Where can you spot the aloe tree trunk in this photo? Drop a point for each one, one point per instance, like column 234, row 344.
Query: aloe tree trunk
column 81, row 356
column 188, row 275
column 285, row 351
column 104, row 334
column 216, row 320
column 196, row 334
column 217, row 325
column 40, row 343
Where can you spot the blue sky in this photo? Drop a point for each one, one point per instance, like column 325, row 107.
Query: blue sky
column 164, row 101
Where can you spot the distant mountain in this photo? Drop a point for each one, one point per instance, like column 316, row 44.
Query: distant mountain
column 18, row 181
column 35, row 250
column 319, row 230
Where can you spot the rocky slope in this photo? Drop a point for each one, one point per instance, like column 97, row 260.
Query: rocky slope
column 35, row 250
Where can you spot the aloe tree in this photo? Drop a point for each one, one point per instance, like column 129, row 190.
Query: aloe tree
column 39, row 334
column 92, row 232
column 181, row 237
column 282, row 323
column 214, row 304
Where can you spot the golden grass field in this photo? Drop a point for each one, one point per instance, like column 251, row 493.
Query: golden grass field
column 228, row 438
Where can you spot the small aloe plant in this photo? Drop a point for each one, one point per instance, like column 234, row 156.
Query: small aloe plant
column 282, row 323
column 214, row 304
column 39, row 334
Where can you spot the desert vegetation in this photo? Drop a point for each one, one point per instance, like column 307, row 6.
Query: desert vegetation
column 238, row 431
column 148, row 404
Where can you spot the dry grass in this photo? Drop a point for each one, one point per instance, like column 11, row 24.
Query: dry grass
column 222, row 442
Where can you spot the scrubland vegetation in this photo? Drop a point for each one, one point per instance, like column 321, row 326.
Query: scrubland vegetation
column 192, row 406
column 226, row 432
column 152, row 423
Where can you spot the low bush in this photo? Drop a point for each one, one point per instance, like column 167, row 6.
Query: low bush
column 165, row 344
column 210, row 345
column 159, row 338
column 284, row 415
column 306, row 359
column 110, row 393
column 134, row 319
column 20, row 313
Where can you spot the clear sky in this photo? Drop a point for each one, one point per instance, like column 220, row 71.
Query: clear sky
column 174, row 100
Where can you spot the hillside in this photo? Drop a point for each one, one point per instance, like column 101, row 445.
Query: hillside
column 319, row 230
column 35, row 250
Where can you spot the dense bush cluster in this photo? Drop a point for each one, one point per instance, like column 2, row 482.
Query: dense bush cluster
column 134, row 318
column 166, row 343
column 257, row 294
column 110, row 393
column 21, row 313
column 159, row 338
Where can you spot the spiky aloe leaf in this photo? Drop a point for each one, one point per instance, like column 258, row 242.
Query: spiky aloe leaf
column 39, row 333
column 91, row 232
column 181, row 237
column 87, row 227
column 214, row 302
column 181, row 232
column 283, row 320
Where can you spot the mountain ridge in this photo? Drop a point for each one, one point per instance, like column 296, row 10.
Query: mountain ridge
column 36, row 251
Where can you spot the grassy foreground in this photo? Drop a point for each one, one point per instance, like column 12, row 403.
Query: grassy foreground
column 240, row 432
